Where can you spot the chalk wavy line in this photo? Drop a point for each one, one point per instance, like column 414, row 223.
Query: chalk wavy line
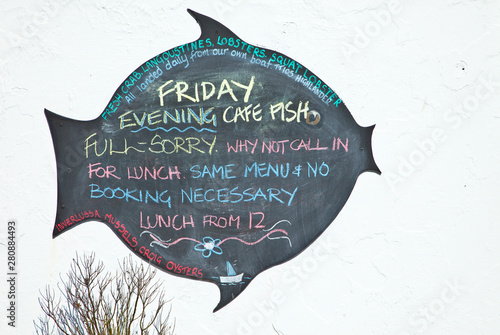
column 277, row 223
column 259, row 240
column 166, row 244
column 280, row 237
column 175, row 128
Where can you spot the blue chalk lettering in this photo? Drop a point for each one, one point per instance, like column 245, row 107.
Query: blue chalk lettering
column 234, row 193
column 205, row 196
column 219, row 195
column 292, row 195
column 188, row 196
column 273, row 192
column 259, row 193
column 198, row 197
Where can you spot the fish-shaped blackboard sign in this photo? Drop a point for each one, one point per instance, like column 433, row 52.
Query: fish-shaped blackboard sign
column 214, row 160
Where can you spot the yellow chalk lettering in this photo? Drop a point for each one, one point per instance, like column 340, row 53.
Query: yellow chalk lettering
column 162, row 94
column 226, row 88
column 123, row 120
column 248, row 88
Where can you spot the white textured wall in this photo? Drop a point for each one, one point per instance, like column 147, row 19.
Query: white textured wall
column 416, row 250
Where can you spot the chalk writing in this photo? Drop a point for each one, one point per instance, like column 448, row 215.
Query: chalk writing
column 176, row 222
column 69, row 221
column 208, row 90
column 153, row 173
column 143, row 120
column 237, row 194
column 156, row 145
column 133, row 194
column 285, row 146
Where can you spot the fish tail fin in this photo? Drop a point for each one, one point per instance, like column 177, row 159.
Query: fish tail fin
column 65, row 133
column 210, row 27
column 54, row 120
column 66, row 137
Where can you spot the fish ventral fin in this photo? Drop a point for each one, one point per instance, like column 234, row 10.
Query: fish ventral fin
column 210, row 27
column 228, row 293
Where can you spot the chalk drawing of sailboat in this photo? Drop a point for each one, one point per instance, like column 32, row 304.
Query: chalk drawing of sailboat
column 231, row 277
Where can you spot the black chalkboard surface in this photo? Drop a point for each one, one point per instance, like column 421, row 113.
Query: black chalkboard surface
column 214, row 160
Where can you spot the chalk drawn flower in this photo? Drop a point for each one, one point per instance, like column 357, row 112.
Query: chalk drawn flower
column 208, row 246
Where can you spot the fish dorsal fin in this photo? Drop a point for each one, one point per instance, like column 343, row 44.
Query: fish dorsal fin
column 210, row 27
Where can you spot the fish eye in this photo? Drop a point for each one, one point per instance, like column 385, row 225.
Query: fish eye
column 313, row 117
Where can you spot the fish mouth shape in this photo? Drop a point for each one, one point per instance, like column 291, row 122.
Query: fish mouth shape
column 214, row 160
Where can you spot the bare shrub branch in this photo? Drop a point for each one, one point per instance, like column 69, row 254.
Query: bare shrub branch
column 92, row 302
